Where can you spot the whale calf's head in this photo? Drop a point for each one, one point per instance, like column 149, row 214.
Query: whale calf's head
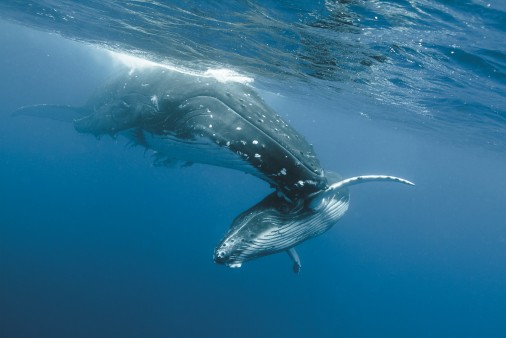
column 254, row 232
column 274, row 225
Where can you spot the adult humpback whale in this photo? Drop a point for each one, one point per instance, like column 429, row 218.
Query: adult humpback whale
column 201, row 119
column 198, row 119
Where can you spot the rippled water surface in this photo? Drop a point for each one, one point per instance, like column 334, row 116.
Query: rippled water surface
column 95, row 241
column 442, row 62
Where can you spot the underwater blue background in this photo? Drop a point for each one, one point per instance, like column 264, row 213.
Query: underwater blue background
column 97, row 242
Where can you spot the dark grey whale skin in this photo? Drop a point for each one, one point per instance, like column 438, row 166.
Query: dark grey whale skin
column 230, row 115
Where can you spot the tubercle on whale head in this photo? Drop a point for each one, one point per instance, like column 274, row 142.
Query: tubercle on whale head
column 222, row 256
column 232, row 249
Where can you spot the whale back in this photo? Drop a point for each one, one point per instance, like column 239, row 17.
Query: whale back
column 168, row 105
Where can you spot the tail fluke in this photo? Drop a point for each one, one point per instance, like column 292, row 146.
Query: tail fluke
column 51, row 111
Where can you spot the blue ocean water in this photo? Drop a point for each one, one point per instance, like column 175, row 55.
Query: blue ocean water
column 96, row 242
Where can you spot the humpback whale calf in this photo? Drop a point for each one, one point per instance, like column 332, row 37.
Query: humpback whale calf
column 200, row 119
column 274, row 225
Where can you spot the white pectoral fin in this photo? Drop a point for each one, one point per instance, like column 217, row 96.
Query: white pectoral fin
column 295, row 258
column 367, row 178
column 321, row 199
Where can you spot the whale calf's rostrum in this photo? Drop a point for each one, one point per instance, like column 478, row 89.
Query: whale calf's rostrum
column 199, row 119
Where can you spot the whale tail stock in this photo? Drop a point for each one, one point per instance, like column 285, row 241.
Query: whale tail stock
column 55, row 112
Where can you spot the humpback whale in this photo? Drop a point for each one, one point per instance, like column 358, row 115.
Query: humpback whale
column 200, row 119
column 274, row 225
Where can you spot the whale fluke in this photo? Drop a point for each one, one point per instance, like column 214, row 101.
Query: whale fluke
column 63, row 113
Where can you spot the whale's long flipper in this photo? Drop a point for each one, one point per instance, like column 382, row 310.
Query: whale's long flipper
column 367, row 178
column 319, row 200
column 52, row 111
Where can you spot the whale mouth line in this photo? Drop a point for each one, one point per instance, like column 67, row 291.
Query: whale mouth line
column 229, row 261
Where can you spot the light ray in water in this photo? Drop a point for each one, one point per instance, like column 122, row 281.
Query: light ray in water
column 221, row 74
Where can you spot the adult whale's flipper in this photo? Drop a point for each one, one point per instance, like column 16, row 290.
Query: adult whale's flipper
column 55, row 112
column 320, row 198
column 368, row 178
